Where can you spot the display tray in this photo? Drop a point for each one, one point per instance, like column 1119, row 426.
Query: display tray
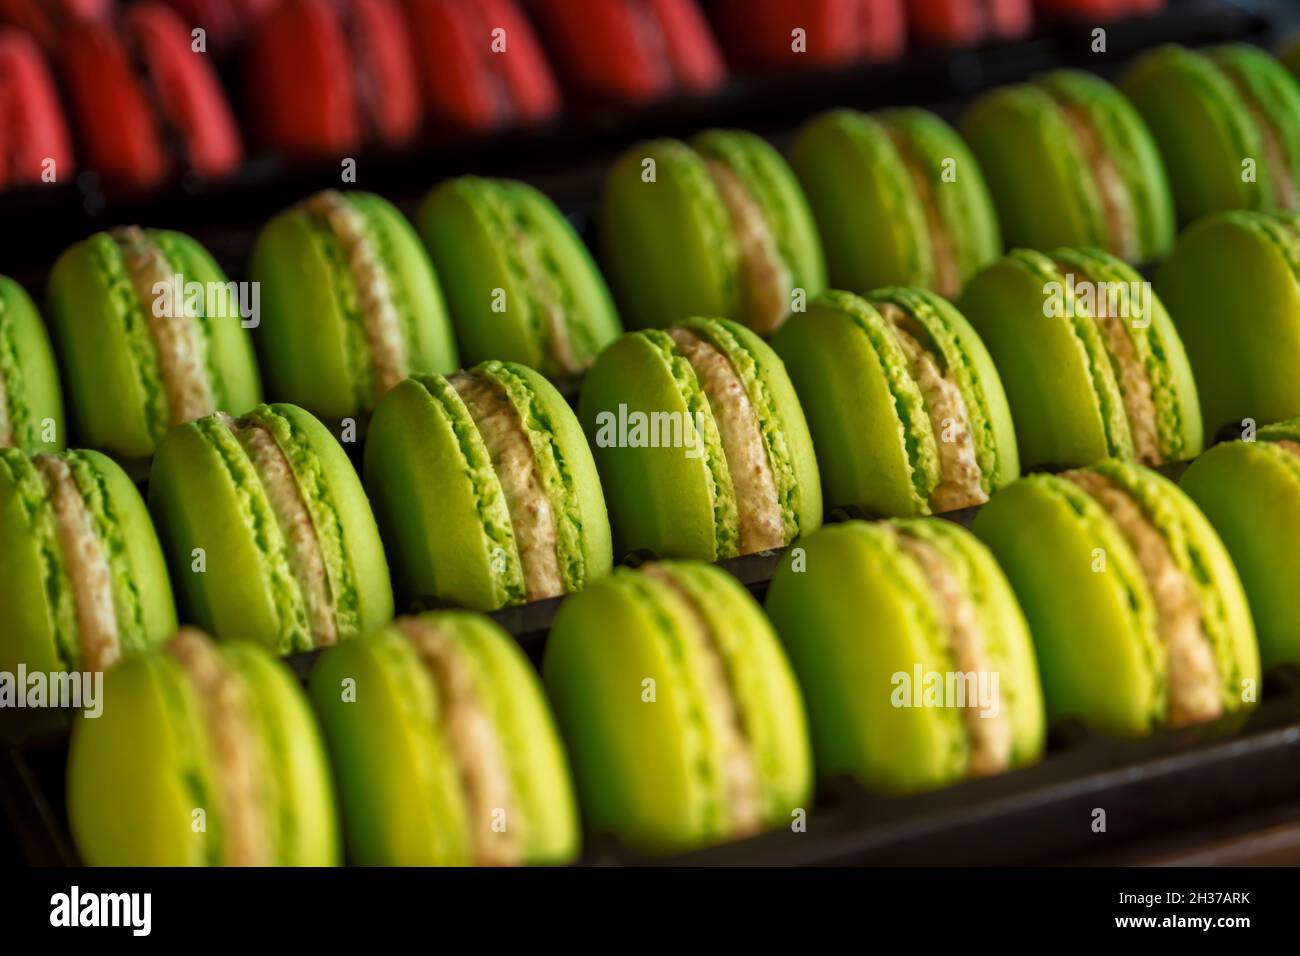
column 1226, row 791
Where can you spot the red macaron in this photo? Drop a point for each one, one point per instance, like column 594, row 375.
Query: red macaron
column 633, row 49
column 224, row 21
column 763, row 33
column 46, row 20
column 1102, row 9
column 481, row 64
column 34, row 142
column 145, row 102
column 970, row 22
column 325, row 77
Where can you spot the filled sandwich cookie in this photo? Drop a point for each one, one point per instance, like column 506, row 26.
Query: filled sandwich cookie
column 267, row 530
column 912, row 652
column 1233, row 288
column 1250, row 491
column 898, row 198
column 1227, row 123
column 204, row 755
column 350, row 304
column 83, row 582
column 31, row 404
column 1092, row 363
column 719, row 227
column 682, row 719
column 485, row 489
column 1070, row 162
column 906, row 409
column 702, row 446
column 520, row 284
column 1138, row 617
column 149, row 334
column 444, row 747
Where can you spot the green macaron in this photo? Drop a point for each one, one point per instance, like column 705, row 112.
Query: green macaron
column 701, row 443
column 31, row 405
column 682, row 718
column 899, row 200
column 267, row 530
column 350, row 304
column 444, row 748
column 1092, row 364
column 1250, row 491
column 912, row 652
column 203, row 755
column 717, row 227
column 520, row 284
column 906, row 410
column 149, row 334
column 83, row 582
column 1138, row 616
column 485, row 489
column 1233, row 288
column 1226, row 121
column 1070, row 162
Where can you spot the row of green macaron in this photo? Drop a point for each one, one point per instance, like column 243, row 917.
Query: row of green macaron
column 344, row 300
column 484, row 488
column 672, row 713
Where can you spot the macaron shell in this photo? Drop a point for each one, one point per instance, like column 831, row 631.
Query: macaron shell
column 106, row 396
column 846, row 643
column 963, row 202
column 658, row 498
column 1275, row 94
column 509, row 689
column 27, row 633
column 1094, row 630
column 668, row 245
column 1250, row 492
column 1202, row 127
column 296, row 279
column 238, row 384
column 1224, row 269
column 23, row 335
column 400, row 799
column 434, row 530
column 432, row 343
column 307, row 826
column 1062, row 393
column 785, row 410
column 195, row 504
column 844, row 389
column 871, row 221
column 138, row 772
column 771, row 183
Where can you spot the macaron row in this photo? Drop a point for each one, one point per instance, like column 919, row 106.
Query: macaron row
column 327, row 78
column 672, row 713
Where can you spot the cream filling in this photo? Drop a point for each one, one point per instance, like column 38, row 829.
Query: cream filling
column 1289, row 445
column 1274, row 149
column 768, row 281
column 476, row 748
column 1134, row 383
column 762, row 523
column 87, row 564
column 959, row 467
column 744, row 803
column 6, row 423
column 1116, row 200
column 245, row 823
column 1194, row 686
column 947, row 269
column 990, row 736
column 178, row 342
column 554, row 320
column 380, row 323
column 306, row 558
column 531, row 518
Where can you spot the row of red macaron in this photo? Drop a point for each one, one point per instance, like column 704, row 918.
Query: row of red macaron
column 326, row 77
